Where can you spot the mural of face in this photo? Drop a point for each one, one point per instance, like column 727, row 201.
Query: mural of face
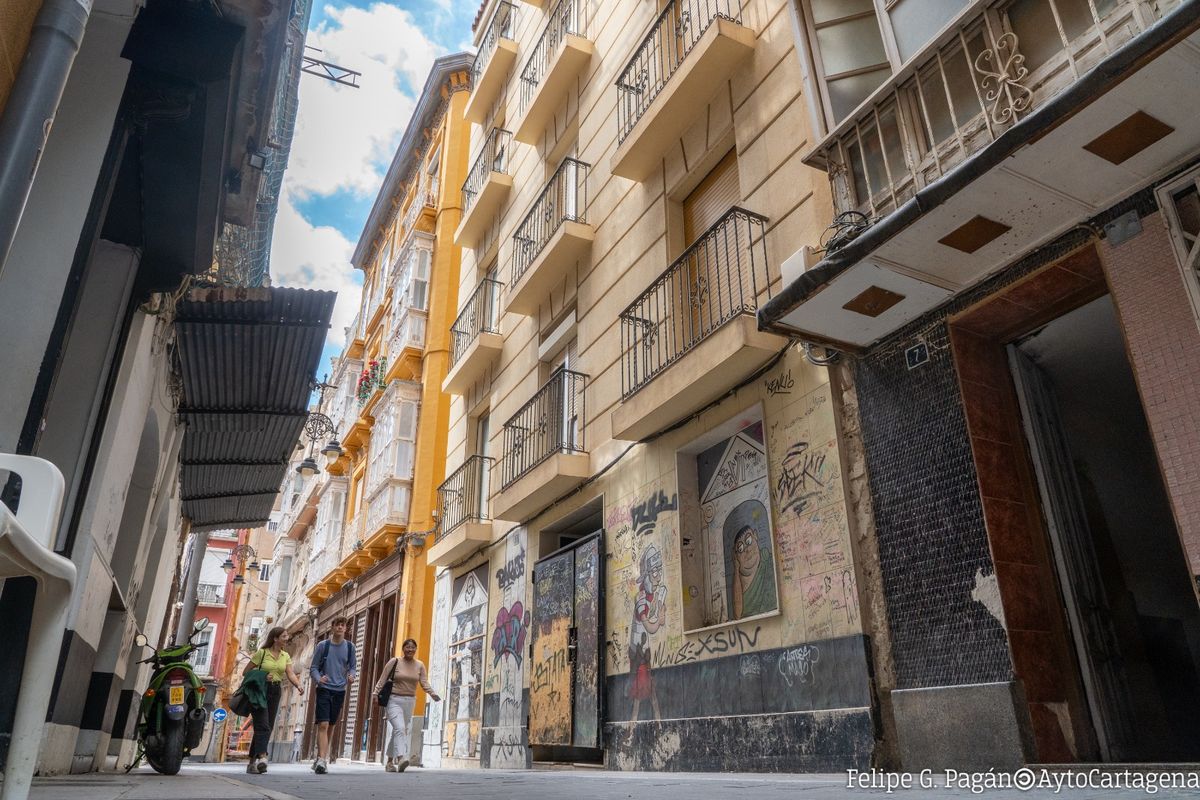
column 746, row 553
column 651, row 568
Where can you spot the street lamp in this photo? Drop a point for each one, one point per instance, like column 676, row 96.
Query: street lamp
column 242, row 553
column 318, row 426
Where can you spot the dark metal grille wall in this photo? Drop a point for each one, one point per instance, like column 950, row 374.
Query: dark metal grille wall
column 928, row 514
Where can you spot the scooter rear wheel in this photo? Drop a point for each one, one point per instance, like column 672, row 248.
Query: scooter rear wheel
column 171, row 757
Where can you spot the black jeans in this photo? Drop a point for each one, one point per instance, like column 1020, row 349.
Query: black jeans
column 264, row 721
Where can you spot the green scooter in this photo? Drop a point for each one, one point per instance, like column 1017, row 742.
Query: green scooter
column 171, row 717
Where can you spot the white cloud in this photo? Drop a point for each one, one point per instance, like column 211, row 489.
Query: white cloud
column 315, row 257
column 344, row 141
column 345, row 137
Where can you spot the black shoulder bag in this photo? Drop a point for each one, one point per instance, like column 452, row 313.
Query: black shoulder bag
column 385, row 691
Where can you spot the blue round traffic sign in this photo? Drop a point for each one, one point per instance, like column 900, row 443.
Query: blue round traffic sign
column 219, row 715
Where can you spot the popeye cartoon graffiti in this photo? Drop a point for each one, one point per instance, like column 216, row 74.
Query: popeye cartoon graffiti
column 649, row 614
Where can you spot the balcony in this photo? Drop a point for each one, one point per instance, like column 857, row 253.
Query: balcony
column 557, row 59
column 497, row 53
column 423, row 206
column 691, row 49
column 387, row 513
column 486, row 188
column 552, row 237
column 465, row 523
column 544, row 449
column 691, row 335
column 475, row 339
column 210, row 594
column 406, row 347
column 1021, row 121
column 356, row 336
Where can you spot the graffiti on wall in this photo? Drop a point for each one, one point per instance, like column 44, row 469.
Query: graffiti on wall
column 550, row 662
column 465, row 664
column 739, row 550
column 649, row 615
column 509, row 643
column 435, row 710
column 736, row 527
column 508, row 635
column 642, row 566
column 817, row 582
column 586, row 710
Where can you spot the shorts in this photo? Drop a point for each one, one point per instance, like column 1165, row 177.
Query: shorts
column 329, row 705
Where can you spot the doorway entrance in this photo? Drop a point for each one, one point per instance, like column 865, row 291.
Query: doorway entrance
column 1134, row 620
column 565, row 660
column 1097, row 601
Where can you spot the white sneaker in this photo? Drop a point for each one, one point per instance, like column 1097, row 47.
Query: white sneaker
column 403, row 765
column 390, row 765
column 321, row 766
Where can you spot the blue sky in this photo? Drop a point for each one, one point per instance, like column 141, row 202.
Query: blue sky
column 345, row 137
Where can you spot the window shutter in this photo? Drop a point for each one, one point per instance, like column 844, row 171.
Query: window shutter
column 713, row 197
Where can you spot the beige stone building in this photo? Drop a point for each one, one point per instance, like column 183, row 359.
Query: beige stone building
column 643, row 555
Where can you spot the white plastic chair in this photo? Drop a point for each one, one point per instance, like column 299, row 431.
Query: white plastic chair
column 27, row 550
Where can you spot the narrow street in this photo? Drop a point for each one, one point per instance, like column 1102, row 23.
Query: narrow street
column 360, row 782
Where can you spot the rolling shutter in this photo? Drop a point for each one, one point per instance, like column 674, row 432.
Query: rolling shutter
column 716, row 193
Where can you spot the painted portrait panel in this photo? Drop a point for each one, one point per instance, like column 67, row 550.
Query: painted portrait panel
column 736, row 526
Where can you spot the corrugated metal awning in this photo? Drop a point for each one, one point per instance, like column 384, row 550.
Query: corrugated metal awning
column 248, row 357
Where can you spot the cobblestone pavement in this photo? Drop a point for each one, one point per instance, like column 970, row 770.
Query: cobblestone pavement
column 370, row 782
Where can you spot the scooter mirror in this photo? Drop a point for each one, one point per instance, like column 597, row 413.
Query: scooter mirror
column 140, row 640
column 200, row 624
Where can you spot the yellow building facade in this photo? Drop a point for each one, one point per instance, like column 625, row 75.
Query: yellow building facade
column 378, row 501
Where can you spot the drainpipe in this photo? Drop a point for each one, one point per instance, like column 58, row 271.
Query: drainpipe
column 28, row 115
column 187, row 614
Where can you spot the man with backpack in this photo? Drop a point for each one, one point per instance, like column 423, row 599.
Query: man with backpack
column 333, row 670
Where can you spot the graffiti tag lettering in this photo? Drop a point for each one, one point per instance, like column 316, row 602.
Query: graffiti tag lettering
column 799, row 477
column 797, row 664
column 546, row 672
column 512, row 571
column 745, row 465
column 781, row 385
column 509, row 636
column 749, row 666
column 716, row 643
column 644, row 515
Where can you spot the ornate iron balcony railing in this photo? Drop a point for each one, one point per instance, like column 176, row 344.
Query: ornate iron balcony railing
column 716, row 279
column 966, row 89
column 564, row 199
column 463, row 497
column 481, row 314
column 551, row 422
column 670, row 39
column 503, row 25
column 566, row 19
column 492, row 158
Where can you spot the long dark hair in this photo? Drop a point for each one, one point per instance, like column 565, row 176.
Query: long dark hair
column 272, row 635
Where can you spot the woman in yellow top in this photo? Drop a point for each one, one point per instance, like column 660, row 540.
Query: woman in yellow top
column 278, row 664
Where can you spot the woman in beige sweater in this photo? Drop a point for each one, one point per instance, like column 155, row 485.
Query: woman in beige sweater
column 404, row 673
